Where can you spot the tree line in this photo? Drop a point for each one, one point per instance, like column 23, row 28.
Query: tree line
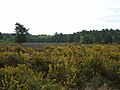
column 21, row 35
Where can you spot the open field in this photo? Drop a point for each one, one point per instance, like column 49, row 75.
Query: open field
column 59, row 67
column 35, row 45
column 40, row 45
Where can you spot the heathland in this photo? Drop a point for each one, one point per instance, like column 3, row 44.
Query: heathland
column 60, row 67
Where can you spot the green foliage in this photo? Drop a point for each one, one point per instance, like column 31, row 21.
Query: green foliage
column 1, row 36
column 60, row 67
column 105, row 36
column 11, row 59
column 21, row 33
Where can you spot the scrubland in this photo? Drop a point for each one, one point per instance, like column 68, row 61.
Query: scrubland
column 60, row 67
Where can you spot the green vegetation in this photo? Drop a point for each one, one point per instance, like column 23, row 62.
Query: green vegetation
column 61, row 67
column 86, row 60
column 21, row 33
column 105, row 36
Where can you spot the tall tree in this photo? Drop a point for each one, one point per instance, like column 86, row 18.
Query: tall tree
column 1, row 36
column 21, row 33
column 97, row 38
column 108, row 39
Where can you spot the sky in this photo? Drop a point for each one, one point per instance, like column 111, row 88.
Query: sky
column 62, row 16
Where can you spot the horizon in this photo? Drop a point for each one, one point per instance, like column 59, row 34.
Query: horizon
column 67, row 33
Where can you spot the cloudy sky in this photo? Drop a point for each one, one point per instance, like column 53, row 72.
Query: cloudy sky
column 66, row 16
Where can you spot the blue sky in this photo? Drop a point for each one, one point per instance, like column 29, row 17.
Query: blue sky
column 66, row 16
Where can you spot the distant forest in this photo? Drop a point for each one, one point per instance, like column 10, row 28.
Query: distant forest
column 105, row 36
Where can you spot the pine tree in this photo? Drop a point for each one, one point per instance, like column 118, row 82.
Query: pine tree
column 21, row 33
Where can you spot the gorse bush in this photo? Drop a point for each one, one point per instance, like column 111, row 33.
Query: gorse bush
column 60, row 67
column 11, row 59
